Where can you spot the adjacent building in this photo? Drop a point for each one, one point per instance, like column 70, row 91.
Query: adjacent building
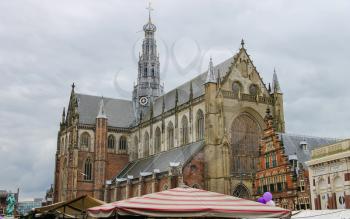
column 26, row 206
column 329, row 173
column 281, row 167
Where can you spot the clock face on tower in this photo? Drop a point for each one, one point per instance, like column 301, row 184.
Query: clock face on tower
column 143, row 101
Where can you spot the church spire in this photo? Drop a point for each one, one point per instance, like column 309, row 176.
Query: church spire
column 210, row 75
column 102, row 112
column 275, row 84
column 148, row 85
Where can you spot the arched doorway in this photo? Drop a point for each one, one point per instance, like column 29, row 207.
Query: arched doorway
column 241, row 191
column 245, row 140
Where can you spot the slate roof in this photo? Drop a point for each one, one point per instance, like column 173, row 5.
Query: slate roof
column 162, row 160
column 292, row 146
column 184, row 89
column 119, row 112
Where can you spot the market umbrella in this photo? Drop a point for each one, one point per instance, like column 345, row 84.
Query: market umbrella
column 188, row 202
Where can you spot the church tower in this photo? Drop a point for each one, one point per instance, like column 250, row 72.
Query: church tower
column 148, row 85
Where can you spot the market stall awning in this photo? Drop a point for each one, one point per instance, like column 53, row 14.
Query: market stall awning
column 72, row 207
column 188, row 202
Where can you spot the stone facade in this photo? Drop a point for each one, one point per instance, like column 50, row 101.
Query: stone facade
column 225, row 112
column 330, row 176
column 277, row 173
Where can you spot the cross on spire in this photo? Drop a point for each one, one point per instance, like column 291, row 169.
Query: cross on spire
column 149, row 8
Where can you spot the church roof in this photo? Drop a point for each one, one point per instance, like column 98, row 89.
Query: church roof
column 161, row 161
column 119, row 112
column 292, row 145
column 184, row 89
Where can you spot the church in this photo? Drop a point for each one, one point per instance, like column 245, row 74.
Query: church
column 205, row 133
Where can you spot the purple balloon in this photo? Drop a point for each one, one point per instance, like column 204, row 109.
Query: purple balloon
column 267, row 196
column 261, row 200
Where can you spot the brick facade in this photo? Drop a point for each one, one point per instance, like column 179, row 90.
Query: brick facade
column 285, row 179
column 191, row 174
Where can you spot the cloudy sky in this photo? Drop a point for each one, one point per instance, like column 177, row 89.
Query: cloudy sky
column 47, row 45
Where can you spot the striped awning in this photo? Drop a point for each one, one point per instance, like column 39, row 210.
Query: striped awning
column 189, row 202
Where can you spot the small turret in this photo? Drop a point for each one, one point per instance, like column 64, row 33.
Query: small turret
column 210, row 75
column 278, row 109
column 102, row 112
column 63, row 115
column 275, row 84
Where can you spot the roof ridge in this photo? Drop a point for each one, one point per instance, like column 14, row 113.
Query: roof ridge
column 103, row 97
column 308, row 136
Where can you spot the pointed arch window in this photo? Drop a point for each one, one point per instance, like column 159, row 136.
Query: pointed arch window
column 184, row 130
column 111, row 142
column 136, row 152
column 85, row 140
column 123, row 144
column 170, row 135
column 88, row 169
column 200, row 125
column 146, row 145
column 157, row 141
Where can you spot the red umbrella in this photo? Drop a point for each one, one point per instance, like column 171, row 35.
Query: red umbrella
column 188, row 202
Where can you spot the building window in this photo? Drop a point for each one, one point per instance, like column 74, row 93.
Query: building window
column 145, row 72
column 111, row 142
column 274, row 161
column 267, row 161
column 279, row 187
column 85, row 140
column 170, row 135
column 302, row 185
column 123, row 144
column 157, row 140
column 184, row 130
column 88, row 169
column 200, row 125
column 146, row 145
column 236, row 88
column 347, row 176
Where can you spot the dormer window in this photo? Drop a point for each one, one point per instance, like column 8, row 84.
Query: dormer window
column 303, row 145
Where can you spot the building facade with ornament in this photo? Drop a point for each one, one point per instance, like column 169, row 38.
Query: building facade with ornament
column 329, row 175
column 205, row 133
column 281, row 168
